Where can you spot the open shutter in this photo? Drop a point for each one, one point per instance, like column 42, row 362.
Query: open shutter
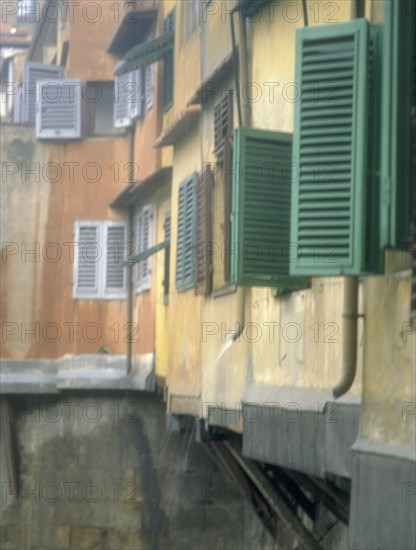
column 88, row 252
column 58, row 109
column 136, row 94
column 185, row 254
column 138, row 239
column 17, row 107
column 203, row 260
column 121, row 100
column 330, row 149
column 145, row 265
column 33, row 73
column 150, row 75
column 261, row 209
column 114, row 277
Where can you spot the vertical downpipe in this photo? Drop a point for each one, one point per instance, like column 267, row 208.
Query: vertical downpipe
column 132, row 134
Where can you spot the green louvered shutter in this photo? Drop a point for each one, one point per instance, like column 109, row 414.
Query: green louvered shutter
column 185, row 248
column 260, row 220
column 330, row 150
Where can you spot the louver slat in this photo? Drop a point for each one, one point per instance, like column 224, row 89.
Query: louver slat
column 203, row 231
column 114, row 275
column 88, row 256
column 330, row 144
column 33, row 73
column 261, row 209
column 58, row 107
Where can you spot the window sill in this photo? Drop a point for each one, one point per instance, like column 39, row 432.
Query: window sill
column 224, row 291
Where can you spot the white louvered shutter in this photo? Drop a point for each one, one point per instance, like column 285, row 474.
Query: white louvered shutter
column 149, row 86
column 17, row 107
column 122, row 117
column 33, row 73
column 114, row 272
column 147, row 242
column 88, row 254
column 136, row 94
column 58, row 106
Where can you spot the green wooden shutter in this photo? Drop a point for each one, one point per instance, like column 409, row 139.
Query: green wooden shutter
column 398, row 89
column 260, row 218
column 330, row 150
column 203, row 271
column 185, row 249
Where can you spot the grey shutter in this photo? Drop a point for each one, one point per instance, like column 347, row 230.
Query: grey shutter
column 58, row 109
column 115, row 241
column 88, row 254
column 33, row 73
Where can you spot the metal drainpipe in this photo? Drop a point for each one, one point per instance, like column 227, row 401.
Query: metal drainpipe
column 243, row 293
column 132, row 134
column 350, row 315
column 349, row 343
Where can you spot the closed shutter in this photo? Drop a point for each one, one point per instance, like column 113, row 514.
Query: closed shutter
column 203, row 260
column 33, row 73
column 88, row 254
column 261, row 209
column 58, row 109
column 115, row 242
column 330, row 149
column 185, row 254
column 121, row 100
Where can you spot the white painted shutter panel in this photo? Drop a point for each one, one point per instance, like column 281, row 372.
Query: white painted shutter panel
column 149, row 85
column 33, row 73
column 17, row 107
column 147, row 242
column 115, row 242
column 58, row 109
column 122, row 117
column 136, row 94
column 88, row 253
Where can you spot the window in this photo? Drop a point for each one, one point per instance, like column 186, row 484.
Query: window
column 185, row 246
column 100, row 100
column 99, row 254
column 143, row 241
column 168, row 64
column 58, row 109
column 190, row 18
